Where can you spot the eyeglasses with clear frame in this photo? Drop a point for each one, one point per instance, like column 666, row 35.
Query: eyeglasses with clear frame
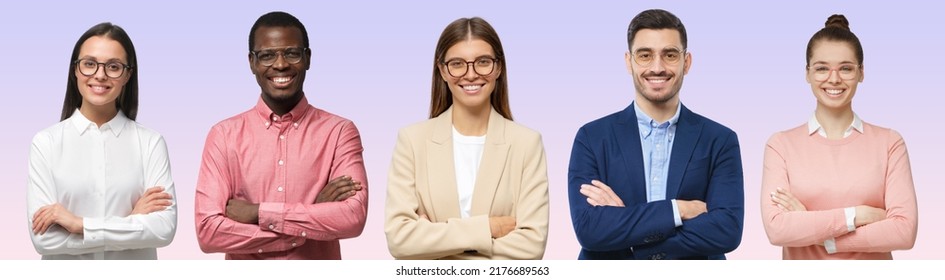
column 268, row 57
column 846, row 71
column 645, row 57
column 482, row 66
column 113, row 69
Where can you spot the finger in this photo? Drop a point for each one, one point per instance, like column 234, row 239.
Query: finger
column 593, row 193
column 598, row 183
column 48, row 221
column 594, row 202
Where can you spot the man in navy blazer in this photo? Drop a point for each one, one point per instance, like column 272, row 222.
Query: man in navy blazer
column 655, row 180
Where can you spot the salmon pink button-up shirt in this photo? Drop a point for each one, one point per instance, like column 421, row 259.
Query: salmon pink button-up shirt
column 281, row 163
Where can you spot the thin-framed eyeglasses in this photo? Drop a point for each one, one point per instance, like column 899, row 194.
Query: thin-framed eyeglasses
column 483, row 66
column 268, row 57
column 846, row 71
column 645, row 57
column 113, row 69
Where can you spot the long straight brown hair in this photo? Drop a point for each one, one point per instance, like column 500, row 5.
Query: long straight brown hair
column 459, row 30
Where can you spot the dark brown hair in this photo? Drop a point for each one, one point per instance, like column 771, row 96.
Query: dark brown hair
column 127, row 102
column 655, row 19
column 837, row 28
column 459, row 30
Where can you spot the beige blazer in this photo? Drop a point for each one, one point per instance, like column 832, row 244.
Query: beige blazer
column 512, row 181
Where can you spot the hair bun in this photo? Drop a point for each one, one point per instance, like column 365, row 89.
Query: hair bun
column 838, row 21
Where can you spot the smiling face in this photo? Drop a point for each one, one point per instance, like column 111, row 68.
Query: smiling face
column 99, row 90
column 834, row 91
column 471, row 90
column 660, row 81
column 283, row 80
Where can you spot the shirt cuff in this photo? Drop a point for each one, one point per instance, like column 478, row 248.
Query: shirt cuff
column 270, row 216
column 831, row 246
column 676, row 218
column 851, row 216
column 92, row 234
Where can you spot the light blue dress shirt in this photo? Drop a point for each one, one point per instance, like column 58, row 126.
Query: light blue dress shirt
column 657, row 141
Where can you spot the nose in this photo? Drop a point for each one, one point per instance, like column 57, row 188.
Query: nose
column 280, row 62
column 470, row 72
column 100, row 73
column 833, row 77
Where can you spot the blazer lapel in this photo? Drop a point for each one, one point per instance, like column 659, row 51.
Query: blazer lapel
column 627, row 134
column 688, row 130
column 491, row 166
column 441, row 173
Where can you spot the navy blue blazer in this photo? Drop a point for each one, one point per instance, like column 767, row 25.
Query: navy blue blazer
column 705, row 165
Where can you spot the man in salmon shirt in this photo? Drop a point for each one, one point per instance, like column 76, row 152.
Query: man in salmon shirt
column 284, row 180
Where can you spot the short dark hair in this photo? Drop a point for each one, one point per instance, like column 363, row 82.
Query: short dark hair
column 837, row 28
column 655, row 19
column 277, row 19
column 127, row 102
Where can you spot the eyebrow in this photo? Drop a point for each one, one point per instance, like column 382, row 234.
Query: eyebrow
column 477, row 58
column 648, row 49
column 842, row 62
column 109, row 60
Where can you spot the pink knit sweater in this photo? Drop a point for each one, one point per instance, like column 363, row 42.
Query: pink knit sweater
column 870, row 168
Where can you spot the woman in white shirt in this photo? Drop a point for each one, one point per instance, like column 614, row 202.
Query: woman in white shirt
column 100, row 184
column 469, row 183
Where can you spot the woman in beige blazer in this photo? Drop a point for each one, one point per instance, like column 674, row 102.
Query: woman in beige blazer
column 468, row 183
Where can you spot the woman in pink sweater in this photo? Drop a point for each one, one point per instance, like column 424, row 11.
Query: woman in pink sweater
column 837, row 187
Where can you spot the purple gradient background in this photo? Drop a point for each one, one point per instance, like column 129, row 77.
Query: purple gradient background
column 565, row 61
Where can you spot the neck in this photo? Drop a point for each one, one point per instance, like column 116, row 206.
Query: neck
column 471, row 121
column 99, row 114
column 834, row 121
column 282, row 106
column 660, row 112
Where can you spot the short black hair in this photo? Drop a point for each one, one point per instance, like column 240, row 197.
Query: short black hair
column 277, row 19
column 655, row 19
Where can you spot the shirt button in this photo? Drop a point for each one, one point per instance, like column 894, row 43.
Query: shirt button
column 271, row 226
column 281, row 162
column 281, row 137
column 293, row 244
column 260, row 251
column 279, row 189
column 656, row 179
column 267, row 124
column 303, row 234
column 295, row 124
column 274, row 118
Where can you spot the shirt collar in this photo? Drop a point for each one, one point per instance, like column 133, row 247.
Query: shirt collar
column 269, row 118
column 83, row 124
column 646, row 121
column 813, row 125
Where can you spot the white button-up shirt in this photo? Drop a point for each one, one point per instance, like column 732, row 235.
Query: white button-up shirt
column 98, row 173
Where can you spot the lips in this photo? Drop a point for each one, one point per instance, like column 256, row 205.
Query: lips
column 99, row 89
column 281, row 81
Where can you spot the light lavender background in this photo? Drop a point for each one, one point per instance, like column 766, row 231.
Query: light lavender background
column 565, row 65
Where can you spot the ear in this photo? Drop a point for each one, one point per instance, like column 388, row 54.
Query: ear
column 308, row 58
column 251, row 64
column 807, row 75
column 443, row 72
column 862, row 73
column 687, row 63
column 628, row 59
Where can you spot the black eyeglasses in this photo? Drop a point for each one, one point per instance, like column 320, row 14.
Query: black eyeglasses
column 113, row 69
column 483, row 66
column 268, row 57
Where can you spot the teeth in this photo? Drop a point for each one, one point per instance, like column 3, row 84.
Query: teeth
column 834, row 91
column 99, row 88
column 281, row 79
column 657, row 81
column 472, row 87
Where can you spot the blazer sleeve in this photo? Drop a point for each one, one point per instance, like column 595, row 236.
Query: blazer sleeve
column 528, row 239
column 610, row 228
column 719, row 230
column 898, row 230
column 792, row 228
column 215, row 232
column 409, row 236
column 41, row 191
column 330, row 220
